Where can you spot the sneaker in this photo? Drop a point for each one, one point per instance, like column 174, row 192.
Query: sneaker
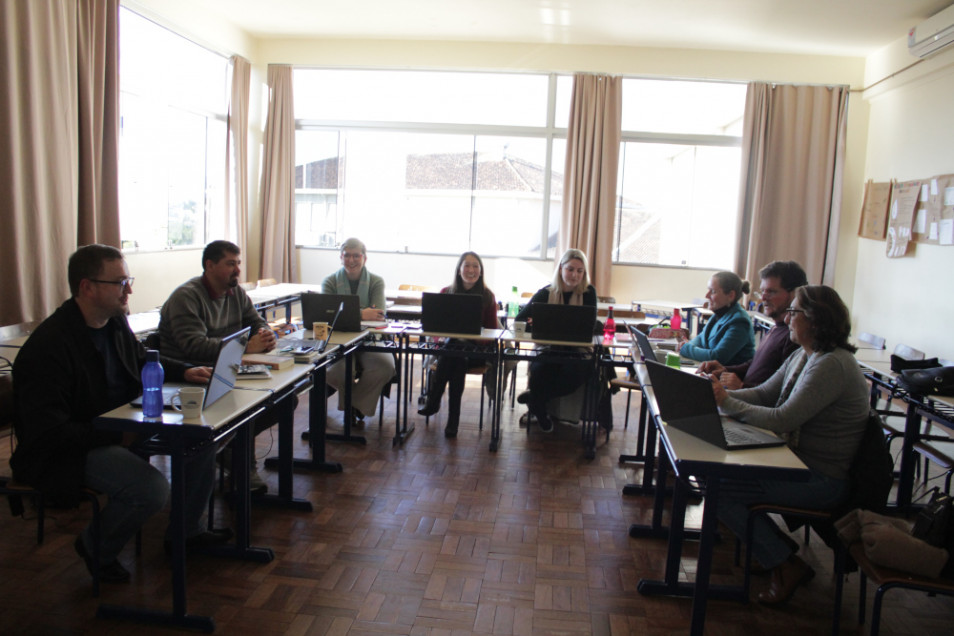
column 546, row 424
column 523, row 398
column 112, row 572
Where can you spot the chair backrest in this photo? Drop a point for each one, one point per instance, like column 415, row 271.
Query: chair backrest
column 606, row 299
column 408, row 287
column 869, row 338
column 266, row 282
column 908, row 353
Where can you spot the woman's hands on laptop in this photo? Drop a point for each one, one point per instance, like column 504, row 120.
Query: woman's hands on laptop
column 718, row 391
column 714, row 369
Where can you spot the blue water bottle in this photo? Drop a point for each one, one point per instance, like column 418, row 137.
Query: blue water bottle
column 152, row 378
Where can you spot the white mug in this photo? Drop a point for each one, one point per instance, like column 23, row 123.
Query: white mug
column 189, row 400
column 519, row 327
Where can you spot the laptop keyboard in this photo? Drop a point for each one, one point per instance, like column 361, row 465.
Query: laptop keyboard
column 737, row 436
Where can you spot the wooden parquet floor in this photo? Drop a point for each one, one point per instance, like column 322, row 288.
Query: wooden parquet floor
column 435, row 537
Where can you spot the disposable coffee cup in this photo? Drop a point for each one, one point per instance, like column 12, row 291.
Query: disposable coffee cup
column 672, row 359
column 661, row 355
column 188, row 400
column 519, row 327
column 320, row 330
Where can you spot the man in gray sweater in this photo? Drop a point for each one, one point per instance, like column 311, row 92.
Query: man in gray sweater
column 205, row 309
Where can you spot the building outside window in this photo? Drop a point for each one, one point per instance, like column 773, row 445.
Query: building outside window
column 430, row 162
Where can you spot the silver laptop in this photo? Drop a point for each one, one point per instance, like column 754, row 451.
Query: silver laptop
column 649, row 352
column 302, row 346
column 223, row 373
column 686, row 402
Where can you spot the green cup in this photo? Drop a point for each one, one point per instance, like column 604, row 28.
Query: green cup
column 672, row 360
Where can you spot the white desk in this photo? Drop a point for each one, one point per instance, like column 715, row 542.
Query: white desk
column 232, row 415
column 691, row 457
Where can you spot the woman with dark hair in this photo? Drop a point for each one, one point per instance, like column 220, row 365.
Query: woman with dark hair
column 818, row 401
column 728, row 336
column 548, row 380
column 468, row 279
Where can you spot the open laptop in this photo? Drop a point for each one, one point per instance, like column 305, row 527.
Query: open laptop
column 686, row 402
column 451, row 313
column 563, row 323
column 325, row 308
column 649, row 352
column 223, row 373
column 302, row 346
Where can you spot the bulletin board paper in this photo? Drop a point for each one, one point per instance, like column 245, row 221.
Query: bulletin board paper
column 905, row 199
column 874, row 210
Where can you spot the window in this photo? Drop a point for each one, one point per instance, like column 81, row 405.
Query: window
column 173, row 100
column 680, row 157
column 430, row 162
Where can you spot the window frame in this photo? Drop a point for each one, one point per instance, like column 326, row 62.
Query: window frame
column 671, row 138
column 548, row 132
column 212, row 204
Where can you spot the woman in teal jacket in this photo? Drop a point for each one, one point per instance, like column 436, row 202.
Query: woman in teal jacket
column 727, row 336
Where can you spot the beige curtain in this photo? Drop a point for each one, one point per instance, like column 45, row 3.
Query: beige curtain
column 790, row 189
column 278, row 179
column 59, row 122
column 592, row 160
column 236, row 159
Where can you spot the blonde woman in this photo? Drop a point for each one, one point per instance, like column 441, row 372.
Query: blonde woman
column 548, row 380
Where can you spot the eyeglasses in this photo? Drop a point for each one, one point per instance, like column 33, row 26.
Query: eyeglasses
column 123, row 282
column 791, row 311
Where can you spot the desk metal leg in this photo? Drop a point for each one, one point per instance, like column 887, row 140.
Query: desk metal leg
column 912, row 426
column 178, row 617
column 656, row 529
column 348, row 412
column 405, row 380
column 317, row 424
column 501, row 380
column 285, row 463
column 648, row 457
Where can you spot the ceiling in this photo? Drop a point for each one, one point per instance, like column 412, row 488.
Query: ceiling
column 828, row 27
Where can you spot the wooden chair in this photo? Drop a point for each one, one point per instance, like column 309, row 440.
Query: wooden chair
column 480, row 370
column 266, row 282
column 606, row 299
column 407, row 287
column 629, row 384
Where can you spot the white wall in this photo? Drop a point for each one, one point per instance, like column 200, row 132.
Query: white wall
column 910, row 136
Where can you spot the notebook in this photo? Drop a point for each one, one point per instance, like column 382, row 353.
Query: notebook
column 564, row 323
column 324, row 308
column 223, row 373
column 686, row 402
column 451, row 313
column 649, row 352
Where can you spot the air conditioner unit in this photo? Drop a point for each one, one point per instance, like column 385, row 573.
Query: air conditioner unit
column 933, row 34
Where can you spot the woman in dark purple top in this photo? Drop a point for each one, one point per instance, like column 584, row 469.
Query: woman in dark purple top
column 468, row 279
